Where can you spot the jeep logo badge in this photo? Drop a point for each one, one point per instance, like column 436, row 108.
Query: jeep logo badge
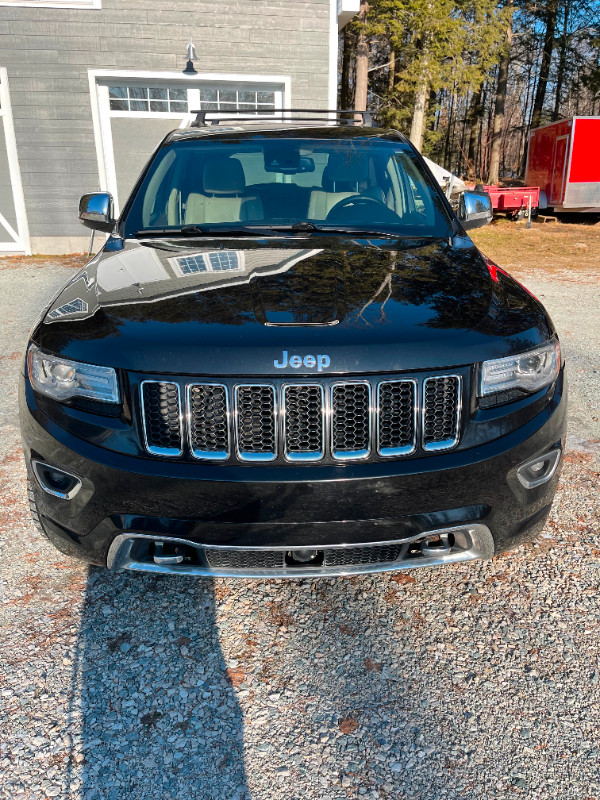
column 321, row 362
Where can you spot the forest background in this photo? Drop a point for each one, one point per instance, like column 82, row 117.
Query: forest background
column 467, row 79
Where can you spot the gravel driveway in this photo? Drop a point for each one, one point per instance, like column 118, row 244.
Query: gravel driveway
column 469, row 681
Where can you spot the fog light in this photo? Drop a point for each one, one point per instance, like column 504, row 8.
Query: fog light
column 56, row 481
column 539, row 470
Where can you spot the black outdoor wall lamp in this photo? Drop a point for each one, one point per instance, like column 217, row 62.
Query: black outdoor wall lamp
column 191, row 54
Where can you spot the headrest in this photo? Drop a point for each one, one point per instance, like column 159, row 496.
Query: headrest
column 223, row 176
column 346, row 167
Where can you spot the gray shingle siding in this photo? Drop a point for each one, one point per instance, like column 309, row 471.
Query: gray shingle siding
column 48, row 52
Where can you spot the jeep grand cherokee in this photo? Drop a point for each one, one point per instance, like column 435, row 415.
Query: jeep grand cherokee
column 289, row 359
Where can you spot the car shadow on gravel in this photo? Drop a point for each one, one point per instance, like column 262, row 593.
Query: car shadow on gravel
column 159, row 718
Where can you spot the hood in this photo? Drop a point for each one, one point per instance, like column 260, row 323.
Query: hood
column 272, row 306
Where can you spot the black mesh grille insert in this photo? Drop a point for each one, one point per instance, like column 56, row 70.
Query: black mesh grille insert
column 378, row 554
column 303, row 421
column 350, row 424
column 396, row 416
column 256, row 422
column 209, row 435
column 162, row 417
column 440, row 411
column 323, row 422
column 245, row 559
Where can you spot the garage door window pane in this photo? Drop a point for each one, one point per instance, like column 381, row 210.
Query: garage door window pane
column 227, row 96
column 138, row 92
column 158, row 94
column 118, row 98
column 174, row 100
column 178, row 94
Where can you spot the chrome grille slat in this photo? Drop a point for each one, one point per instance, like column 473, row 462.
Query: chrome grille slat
column 303, row 422
column 256, row 424
column 162, row 418
column 325, row 421
column 397, row 417
column 441, row 412
column 208, row 421
column 350, row 420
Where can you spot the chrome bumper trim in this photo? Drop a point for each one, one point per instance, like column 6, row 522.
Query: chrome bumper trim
column 471, row 542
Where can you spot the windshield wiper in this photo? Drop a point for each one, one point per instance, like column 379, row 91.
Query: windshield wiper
column 204, row 230
column 310, row 227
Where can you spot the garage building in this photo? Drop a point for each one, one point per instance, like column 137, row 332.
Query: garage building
column 89, row 87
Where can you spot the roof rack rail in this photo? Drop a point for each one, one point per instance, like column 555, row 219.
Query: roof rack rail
column 341, row 115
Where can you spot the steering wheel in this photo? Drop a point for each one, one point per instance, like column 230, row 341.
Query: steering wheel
column 360, row 203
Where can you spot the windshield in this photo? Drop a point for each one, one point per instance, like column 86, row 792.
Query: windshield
column 363, row 184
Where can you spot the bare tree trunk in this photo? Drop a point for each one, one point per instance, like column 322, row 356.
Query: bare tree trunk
column 562, row 61
column 446, row 160
column 540, row 95
column 527, row 113
column 481, row 151
column 473, row 116
column 418, row 121
column 348, row 55
column 362, row 60
column 392, row 70
column 500, row 104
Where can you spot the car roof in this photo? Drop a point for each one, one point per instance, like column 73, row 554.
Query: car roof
column 287, row 130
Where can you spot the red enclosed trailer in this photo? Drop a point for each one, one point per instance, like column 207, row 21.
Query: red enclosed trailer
column 563, row 160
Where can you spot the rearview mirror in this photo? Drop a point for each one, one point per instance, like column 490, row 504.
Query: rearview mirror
column 287, row 161
column 96, row 211
column 474, row 209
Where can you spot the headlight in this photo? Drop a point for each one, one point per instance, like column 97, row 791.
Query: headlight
column 528, row 371
column 62, row 379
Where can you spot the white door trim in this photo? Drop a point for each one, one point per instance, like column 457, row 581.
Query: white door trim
column 101, row 113
column 21, row 235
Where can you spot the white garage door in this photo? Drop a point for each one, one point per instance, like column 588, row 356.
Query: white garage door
column 14, row 236
column 135, row 113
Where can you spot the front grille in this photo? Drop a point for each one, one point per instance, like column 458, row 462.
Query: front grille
column 256, row 431
column 351, row 423
column 397, row 407
column 161, row 409
column 209, row 422
column 441, row 412
column 330, row 421
column 304, row 411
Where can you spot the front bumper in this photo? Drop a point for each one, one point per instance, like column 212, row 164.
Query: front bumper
column 466, row 493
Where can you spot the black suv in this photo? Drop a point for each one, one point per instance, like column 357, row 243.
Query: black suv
column 289, row 360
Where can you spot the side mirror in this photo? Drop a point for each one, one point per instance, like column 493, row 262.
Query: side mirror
column 474, row 209
column 96, row 211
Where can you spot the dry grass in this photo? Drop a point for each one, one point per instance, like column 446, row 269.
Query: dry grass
column 558, row 250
